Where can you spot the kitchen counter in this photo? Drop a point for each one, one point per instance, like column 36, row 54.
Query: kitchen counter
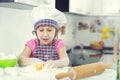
column 30, row 73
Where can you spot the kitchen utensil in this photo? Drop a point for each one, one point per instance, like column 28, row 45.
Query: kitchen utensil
column 83, row 71
column 8, row 62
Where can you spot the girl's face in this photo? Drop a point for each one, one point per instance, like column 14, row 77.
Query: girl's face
column 45, row 34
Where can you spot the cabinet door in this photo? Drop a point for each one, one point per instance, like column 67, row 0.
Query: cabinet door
column 80, row 6
column 96, row 7
column 88, row 6
column 6, row 0
column 110, row 7
column 37, row 2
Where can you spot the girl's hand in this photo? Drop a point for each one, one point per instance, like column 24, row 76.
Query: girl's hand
column 51, row 64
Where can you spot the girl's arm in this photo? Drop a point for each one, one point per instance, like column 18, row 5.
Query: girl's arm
column 64, row 60
column 24, row 58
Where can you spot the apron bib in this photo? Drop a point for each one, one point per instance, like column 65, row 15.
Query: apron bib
column 46, row 52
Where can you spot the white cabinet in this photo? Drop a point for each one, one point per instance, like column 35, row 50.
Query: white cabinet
column 110, row 7
column 88, row 7
column 37, row 2
column 80, row 6
column 106, row 7
column 96, row 7
column 25, row 4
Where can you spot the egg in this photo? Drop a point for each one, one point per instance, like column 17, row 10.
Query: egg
column 38, row 66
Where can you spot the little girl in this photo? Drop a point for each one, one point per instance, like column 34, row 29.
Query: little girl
column 46, row 48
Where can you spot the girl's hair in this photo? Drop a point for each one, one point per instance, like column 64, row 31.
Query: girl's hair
column 56, row 33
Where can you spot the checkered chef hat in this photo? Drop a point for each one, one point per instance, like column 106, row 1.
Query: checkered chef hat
column 47, row 15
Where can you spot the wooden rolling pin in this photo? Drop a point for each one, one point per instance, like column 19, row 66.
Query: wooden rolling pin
column 87, row 70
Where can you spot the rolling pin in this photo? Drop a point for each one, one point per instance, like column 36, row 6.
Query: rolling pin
column 83, row 71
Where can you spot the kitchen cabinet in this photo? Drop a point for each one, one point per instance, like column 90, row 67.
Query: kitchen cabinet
column 105, row 7
column 37, row 2
column 90, row 7
column 80, row 6
column 110, row 7
column 25, row 4
column 96, row 7
column 85, row 7
column 32, row 2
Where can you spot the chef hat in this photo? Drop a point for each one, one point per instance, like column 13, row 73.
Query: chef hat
column 47, row 15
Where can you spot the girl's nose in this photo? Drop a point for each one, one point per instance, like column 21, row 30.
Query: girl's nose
column 45, row 33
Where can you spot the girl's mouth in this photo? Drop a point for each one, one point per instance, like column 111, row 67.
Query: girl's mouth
column 45, row 40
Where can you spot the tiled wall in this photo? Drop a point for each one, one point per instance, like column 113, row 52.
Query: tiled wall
column 74, row 36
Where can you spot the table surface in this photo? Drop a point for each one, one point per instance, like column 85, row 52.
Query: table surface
column 30, row 73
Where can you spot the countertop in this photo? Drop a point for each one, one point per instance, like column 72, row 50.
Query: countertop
column 30, row 73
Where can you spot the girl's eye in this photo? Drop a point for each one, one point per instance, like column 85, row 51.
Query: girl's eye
column 49, row 30
column 41, row 30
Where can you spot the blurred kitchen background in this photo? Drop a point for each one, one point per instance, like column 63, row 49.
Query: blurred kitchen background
column 85, row 20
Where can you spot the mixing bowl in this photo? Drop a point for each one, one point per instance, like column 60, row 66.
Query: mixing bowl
column 8, row 62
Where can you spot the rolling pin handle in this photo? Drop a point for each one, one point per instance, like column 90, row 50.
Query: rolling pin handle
column 107, row 66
